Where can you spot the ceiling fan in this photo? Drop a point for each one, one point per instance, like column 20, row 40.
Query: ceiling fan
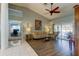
column 55, row 10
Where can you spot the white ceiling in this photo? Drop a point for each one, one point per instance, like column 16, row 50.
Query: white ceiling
column 65, row 9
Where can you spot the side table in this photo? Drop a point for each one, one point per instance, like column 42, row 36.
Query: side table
column 29, row 37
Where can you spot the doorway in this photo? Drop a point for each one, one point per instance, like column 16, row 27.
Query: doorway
column 15, row 33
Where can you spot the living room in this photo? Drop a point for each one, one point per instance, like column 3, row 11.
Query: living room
column 47, row 30
column 37, row 27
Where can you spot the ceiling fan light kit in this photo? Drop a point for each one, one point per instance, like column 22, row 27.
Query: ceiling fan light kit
column 51, row 11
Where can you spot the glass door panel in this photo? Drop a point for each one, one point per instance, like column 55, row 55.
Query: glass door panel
column 64, row 30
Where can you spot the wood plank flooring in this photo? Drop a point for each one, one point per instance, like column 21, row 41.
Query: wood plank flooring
column 52, row 47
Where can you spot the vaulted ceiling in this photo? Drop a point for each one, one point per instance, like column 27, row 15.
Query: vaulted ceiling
column 65, row 9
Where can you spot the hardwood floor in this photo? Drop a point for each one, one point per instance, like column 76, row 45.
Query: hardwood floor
column 52, row 47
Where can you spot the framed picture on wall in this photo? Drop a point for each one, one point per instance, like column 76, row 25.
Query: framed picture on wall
column 38, row 25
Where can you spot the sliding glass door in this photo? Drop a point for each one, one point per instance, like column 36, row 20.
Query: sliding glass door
column 67, row 30
column 58, row 29
column 64, row 30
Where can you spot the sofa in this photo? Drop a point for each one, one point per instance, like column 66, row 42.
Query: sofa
column 39, row 35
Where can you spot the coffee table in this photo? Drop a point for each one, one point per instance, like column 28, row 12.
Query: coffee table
column 47, row 38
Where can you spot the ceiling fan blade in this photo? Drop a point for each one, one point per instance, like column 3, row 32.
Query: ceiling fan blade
column 47, row 9
column 55, row 8
column 56, row 11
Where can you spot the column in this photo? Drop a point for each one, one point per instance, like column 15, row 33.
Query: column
column 4, row 25
column 76, row 32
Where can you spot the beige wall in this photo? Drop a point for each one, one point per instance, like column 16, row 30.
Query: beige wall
column 28, row 17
